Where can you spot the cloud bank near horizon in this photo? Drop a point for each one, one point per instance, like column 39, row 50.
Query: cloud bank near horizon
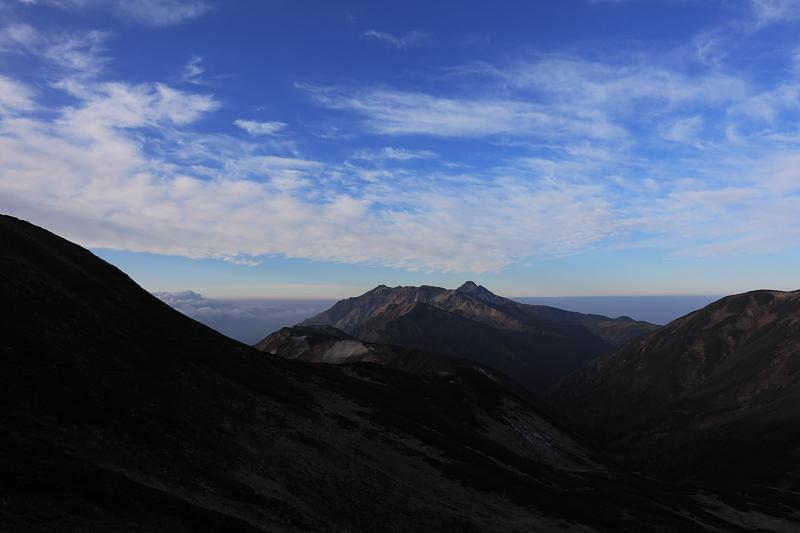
column 245, row 322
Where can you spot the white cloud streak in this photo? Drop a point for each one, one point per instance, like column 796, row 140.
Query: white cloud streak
column 402, row 113
column 14, row 97
column 388, row 152
column 409, row 40
column 76, row 54
column 552, row 99
column 192, row 70
column 160, row 12
column 260, row 128
column 146, row 12
column 774, row 11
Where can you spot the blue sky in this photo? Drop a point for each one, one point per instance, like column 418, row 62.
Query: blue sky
column 312, row 149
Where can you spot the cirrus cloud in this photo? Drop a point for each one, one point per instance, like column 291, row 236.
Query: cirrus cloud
column 406, row 41
column 146, row 12
column 260, row 128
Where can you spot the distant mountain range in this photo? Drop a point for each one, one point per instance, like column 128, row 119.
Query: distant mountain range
column 534, row 343
column 118, row 413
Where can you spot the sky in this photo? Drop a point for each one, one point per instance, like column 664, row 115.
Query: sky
column 259, row 149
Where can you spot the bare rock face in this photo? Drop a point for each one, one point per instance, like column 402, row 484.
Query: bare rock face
column 727, row 374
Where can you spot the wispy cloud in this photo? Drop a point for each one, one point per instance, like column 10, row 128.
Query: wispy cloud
column 396, row 112
column 549, row 99
column 241, row 261
column 260, row 128
column 14, row 97
column 772, row 11
column 392, row 153
column 160, row 12
column 192, row 70
column 408, row 40
column 79, row 54
column 146, row 12
column 19, row 36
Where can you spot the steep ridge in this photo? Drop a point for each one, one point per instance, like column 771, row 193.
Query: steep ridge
column 713, row 396
column 471, row 301
column 348, row 313
column 539, row 311
column 121, row 414
column 482, row 293
column 476, row 303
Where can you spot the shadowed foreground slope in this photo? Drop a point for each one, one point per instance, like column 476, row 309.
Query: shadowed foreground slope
column 120, row 414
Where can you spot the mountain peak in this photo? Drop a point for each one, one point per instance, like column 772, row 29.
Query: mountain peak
column 479, row 291
column 379, row 288
column 468, row 286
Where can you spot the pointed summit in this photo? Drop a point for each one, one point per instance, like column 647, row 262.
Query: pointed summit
column 479, row 291
column 468, row 286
